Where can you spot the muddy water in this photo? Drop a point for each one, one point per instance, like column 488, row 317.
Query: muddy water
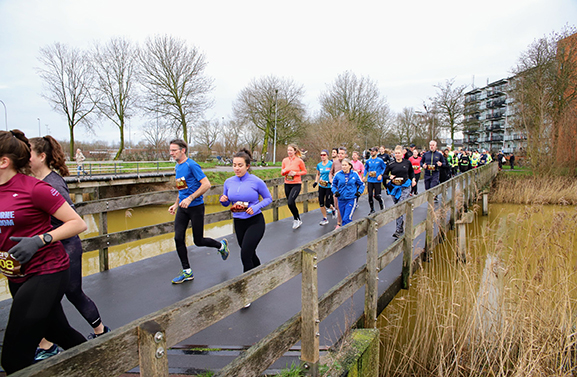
column 135, row 251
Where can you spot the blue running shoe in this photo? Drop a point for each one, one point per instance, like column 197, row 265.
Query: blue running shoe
column 182, row 278
column 94, row 336
column 224, row 249
column 42, row 354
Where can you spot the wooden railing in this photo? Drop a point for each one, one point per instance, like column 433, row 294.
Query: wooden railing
column 144, row 341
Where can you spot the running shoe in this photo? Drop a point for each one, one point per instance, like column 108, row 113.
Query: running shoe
column 397, row 234
column 106, row 330
column 371, row 212
column 183, row 277
column 337, row 227
column 335, row 214
column 223, row 249
column 324, row 221
column 297, row 224
column 329, row 211
column 42, row 354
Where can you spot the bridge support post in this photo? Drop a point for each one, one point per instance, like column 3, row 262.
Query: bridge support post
column 467, row 218
column 275, row 208
column 372, row 287
column 103, row 253
column 305, row 191
column 310, row 314
column 429, row 226
column 408, row 246
column 485, row 203
column 453, row 207
column 152, row 350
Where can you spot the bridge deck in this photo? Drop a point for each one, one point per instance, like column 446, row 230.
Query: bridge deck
column 129, row 292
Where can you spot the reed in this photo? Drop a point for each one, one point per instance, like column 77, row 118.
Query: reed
column 534, row 190
column 510, row 311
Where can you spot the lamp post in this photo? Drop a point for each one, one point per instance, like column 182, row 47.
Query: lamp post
column 39, row 129
column 275, row 112
column 5, row 114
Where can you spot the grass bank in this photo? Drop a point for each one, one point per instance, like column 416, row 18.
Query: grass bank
column 218, row 177
column 529, row 189
column 509, row 311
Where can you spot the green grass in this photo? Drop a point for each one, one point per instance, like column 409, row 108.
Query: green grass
column 218, row 177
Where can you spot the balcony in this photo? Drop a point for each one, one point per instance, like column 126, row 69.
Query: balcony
column 496, row 137
column 496, row 103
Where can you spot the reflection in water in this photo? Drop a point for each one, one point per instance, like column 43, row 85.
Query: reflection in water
column 142, row 249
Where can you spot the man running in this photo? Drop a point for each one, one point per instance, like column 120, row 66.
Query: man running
column 374, row 169
column 431, row 162
column 191, row 183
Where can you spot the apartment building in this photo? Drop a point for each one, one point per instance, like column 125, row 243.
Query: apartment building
column 488, row 115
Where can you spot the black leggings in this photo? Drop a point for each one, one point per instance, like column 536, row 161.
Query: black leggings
column 74, row 293
column 249, row 232
column 291, row 192
column 36, row 313
column 325, row 197
column 374, row 190
column 183, row 217
column 415, row 188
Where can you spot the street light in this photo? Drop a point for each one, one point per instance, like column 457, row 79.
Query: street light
column 39, row 130
column 275, row 112
column 5, row 114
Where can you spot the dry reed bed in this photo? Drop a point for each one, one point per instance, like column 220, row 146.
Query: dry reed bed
column 509, row 311
column 534, row 190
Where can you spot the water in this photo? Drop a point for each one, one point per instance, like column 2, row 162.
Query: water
column 138, row 250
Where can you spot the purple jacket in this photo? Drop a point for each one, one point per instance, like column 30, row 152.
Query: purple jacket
column 246, row 189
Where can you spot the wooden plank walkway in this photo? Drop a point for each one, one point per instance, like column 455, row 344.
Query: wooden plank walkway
column 129, row 292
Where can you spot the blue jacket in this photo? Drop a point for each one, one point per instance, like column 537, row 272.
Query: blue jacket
column 347, row 184
column 378, row 166
column 431, row 159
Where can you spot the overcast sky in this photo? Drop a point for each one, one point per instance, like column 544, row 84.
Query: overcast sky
column 405, row 46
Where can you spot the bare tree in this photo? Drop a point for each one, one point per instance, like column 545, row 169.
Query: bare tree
column 269, row 101
column 327, row 133
column 449, row 101
column 358, row 100
column 207, row 133
column 252, row 136
column 545, row 95
column 68, row 77
column 157, row 135
column 174, row 81
column 231, row 135
column 115, row 65
column 406, row 123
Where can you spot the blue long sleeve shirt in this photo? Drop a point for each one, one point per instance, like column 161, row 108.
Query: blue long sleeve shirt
column 377, row 166
column 247, row 188
column 347, row 184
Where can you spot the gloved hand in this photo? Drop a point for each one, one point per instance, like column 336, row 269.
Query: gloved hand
column 26, row 248
column 315, row 185
column 337, row 194
column 357, row 194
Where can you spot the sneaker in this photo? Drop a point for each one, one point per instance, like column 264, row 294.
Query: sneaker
column 324, row 221
column 335, row 214
column 223, row 249
column 42, row 354
column 106, row 330
column 182, row 278
column 397, row 234
column 372, row 211
column 297, row 224
column 337, row 226
column 329, row 211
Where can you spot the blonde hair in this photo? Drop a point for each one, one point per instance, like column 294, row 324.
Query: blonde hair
column 296, row 149
column 399, row 148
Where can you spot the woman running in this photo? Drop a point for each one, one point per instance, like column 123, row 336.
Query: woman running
column 416, row 162
column 293, row 168
column 243, row 191
column 401, row 177
column 358, row 164
column 47, row 157
column 374, row 168
column 322, row 179
column 347, row 187
column 32, row 258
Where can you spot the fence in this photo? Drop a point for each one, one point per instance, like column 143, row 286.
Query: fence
column 119, row 167
column 143, row 342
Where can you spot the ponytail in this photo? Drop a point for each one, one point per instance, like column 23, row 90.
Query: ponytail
column 15, row 146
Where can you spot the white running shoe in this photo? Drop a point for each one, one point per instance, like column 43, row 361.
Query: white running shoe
column 297, row 224
column 324, row 221
column 335, row 214
column 329, row 211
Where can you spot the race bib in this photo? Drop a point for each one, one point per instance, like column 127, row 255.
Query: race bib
column 239, row 207
column 416, row 167
column 398, row 181
column 9, row 266
column 181, row 184
column 323, row 183
column 431, row 167
column 372, row 174
column 290, row 178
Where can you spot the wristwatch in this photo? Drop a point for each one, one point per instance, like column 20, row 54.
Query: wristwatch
column 47, row 238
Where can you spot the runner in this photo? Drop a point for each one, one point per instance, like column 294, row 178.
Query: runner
column 292, row 169
column 464, row 162
column 431, row 162
column 347, row 187
column 445, row 170
column 358, row 164
column 32, row 258
column 325, row 193
column 189, row 207
column 243, row 191
column 337, row 166
column 401, row 176
column 415, row 160
column 47, row 158
column 374, row 169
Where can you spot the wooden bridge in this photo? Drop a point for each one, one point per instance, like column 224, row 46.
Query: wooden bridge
column 315, row 284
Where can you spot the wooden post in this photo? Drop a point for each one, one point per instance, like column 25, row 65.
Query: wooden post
column 462, row 230
column 429, row 226
column 485, row 203
column 408, row 246
column 305, row 191
column 275, row 208
column 310, row 314
column 103, row 253
column 453, row 214
column 152, row 350
column 372, row 287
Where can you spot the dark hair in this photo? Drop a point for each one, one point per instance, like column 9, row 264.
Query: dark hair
column 181, row 143
column 244, row 154
column 15, row 146
column 54, row 154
